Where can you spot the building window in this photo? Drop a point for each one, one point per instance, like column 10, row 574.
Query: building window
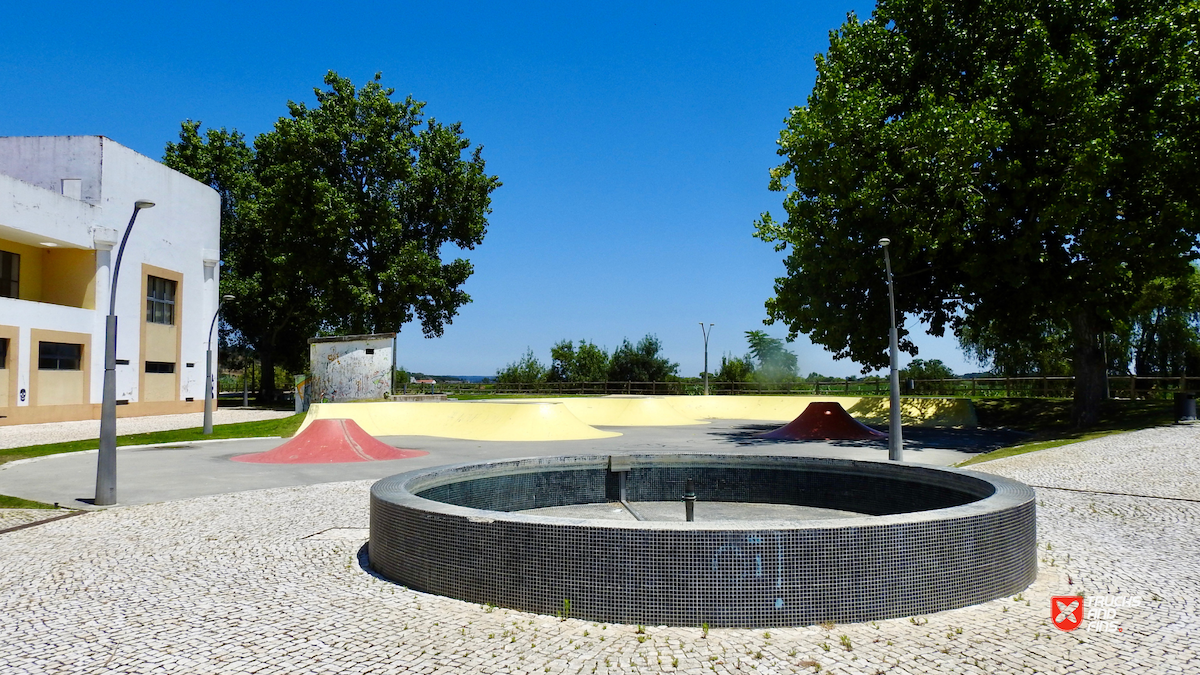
column 160, row 301
column 59, row 356
column 10, row 274
column 160, row 367
column 3, row 353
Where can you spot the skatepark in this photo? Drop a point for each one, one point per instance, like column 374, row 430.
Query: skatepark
column 937, row 432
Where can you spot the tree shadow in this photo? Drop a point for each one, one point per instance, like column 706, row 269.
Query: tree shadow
column 915, row 438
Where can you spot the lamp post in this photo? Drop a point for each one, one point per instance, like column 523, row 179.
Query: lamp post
column 895, row 435
column 208, row 378
column 106, row 462
column 706, row 333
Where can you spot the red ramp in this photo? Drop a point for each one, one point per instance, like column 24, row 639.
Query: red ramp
column 330, row 441
column 824, row 421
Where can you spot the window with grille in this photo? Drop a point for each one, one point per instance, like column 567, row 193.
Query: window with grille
column 10, row 274
column 160, row 301
column 59, row 356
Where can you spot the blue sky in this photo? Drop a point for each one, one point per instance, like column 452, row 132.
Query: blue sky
column 633, row 140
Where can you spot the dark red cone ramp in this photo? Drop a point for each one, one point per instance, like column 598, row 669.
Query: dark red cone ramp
column 824, row 421
column 328, row 442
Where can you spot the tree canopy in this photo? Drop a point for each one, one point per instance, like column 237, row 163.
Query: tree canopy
column 643, row 362
column 335, row 221
column 775, row 362
column 587, row 363
column 920, row 369
column 1034, row 165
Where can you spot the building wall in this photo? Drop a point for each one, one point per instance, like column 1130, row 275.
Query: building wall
column 344, row 371
column 8, row 378
column 67, row 247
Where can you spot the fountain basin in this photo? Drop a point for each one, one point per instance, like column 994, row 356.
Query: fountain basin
column 928, row 539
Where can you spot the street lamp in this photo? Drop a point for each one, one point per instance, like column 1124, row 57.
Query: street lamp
column 208, row 378
column 106, row 462
column 895, row 437
column 706, row 333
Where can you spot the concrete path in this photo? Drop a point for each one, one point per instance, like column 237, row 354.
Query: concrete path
column 270, row 582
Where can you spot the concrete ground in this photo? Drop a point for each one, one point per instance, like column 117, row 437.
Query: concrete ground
column 270, row 581
column 194, row 469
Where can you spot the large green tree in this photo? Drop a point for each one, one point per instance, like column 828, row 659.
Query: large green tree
column 643, row 362
column 586, row 363
column 1034, row 165
column 775, row 362
column 336, row 220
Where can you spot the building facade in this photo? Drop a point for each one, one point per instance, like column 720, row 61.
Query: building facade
column 64, row 204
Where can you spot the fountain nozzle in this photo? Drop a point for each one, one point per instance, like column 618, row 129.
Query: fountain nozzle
column 689, row 500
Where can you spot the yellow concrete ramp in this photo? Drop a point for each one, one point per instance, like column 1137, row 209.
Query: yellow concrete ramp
column 623, row 411
column 474, row 421
column 759, row 408
column 918, row 412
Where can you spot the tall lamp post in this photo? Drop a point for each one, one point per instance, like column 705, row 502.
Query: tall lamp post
column 895, row 437
column 706, row 332
column 106, row 463
column 208, row 377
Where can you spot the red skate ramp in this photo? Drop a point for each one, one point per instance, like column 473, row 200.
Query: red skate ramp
column 824, row 421
column 330, row 441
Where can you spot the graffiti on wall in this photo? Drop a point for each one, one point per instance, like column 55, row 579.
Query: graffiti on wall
column 351, row 370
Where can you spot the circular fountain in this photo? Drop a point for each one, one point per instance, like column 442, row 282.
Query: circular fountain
column 776, row 541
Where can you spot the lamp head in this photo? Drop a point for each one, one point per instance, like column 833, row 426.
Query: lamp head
column 885, row 241
column 226, row 298
column 142, row 204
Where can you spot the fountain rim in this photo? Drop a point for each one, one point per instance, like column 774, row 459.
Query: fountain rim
column 400, row 489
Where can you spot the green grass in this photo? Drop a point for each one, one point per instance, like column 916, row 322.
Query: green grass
column 7, row 502
column 1050, row 422
column 284, row 426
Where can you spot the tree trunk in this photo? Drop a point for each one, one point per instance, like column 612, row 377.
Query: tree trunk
column 1090, row 369
column 267, row 376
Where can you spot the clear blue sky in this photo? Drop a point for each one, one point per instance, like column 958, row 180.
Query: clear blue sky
column 633, row 140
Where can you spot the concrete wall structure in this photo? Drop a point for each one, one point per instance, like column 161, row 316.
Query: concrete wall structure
column 351, row 367
column 64, row 204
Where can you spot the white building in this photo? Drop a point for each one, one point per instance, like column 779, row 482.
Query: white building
column 64, row 204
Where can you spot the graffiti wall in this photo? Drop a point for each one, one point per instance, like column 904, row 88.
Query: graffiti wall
column 351, row 367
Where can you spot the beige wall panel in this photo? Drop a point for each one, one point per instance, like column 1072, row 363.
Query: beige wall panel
column 160, row 387
column 60, row 387
column 161, row 343
column 5, row 378
column 30, row 280
column 69, row 278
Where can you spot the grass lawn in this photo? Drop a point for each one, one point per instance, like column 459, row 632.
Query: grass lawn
column 7, row 502
column 1050, row 421
column 284, row 426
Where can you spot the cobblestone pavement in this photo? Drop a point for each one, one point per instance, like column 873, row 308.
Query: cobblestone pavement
column 17, row 517
column 20, row 435
column 239, row 583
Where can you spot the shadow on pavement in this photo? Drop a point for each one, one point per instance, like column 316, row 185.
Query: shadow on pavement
column 915, row 438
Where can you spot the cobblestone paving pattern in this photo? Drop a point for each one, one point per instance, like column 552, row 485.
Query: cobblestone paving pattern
column 15, row 517
column 238, row 584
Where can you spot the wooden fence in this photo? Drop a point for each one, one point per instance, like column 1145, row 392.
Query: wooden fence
column 984, row 387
